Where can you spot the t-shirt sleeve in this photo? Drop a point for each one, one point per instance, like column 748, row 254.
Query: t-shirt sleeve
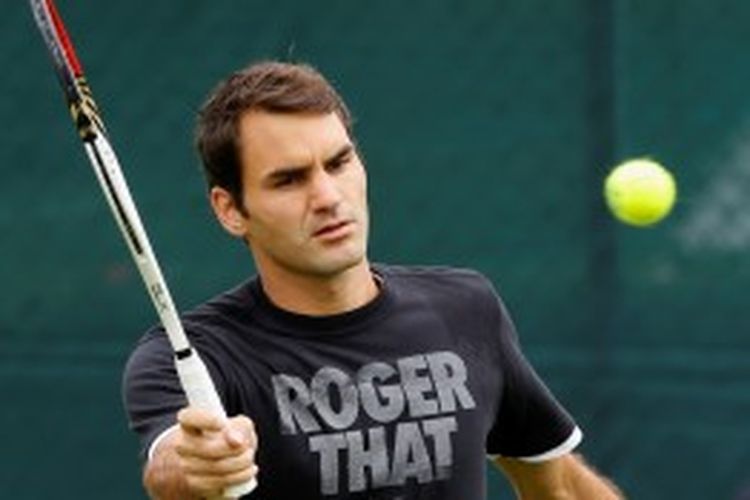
column 530, row 423
column 151, row 390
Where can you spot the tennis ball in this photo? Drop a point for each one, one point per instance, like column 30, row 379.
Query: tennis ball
column 640, row 192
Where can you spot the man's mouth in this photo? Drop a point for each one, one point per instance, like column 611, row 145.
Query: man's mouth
column 334, row 230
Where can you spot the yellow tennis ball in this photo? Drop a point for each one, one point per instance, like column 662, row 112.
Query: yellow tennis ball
column 640, row 192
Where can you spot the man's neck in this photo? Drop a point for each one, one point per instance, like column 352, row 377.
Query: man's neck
column 320, row 295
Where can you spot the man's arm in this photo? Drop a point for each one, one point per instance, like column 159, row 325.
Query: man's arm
column 201, row 456
column 564, row 478
column 162, row 476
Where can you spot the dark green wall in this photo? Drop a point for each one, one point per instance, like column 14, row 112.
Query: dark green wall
column 487, row 127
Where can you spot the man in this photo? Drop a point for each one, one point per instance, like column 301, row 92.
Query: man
column 349, row 380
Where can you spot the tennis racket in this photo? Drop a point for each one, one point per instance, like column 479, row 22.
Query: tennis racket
column 194, row 377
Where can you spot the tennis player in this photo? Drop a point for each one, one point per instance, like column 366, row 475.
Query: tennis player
column 347, row 379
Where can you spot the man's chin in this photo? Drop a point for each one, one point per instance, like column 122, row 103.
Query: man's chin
column 335, row 268
column 334, row 265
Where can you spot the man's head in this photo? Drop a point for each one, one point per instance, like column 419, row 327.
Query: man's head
column 283, row 170
column 273, row 87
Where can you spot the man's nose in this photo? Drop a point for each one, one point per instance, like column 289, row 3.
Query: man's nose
column 325, row 192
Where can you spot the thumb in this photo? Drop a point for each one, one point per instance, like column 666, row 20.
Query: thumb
column 239, row 432
column 234, row 437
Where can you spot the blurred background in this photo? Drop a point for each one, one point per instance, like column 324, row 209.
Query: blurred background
column 488, row 128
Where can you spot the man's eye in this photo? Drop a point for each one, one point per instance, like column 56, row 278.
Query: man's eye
column 287, row 180
column 338, row 163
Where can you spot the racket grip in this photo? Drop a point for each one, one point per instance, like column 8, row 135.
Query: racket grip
column 197, row 384
column 201, row 393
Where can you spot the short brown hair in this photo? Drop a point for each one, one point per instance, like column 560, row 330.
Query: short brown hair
column 270, row 86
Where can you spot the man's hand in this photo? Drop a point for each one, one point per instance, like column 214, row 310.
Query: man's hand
column 201, row 456
column 214, row 454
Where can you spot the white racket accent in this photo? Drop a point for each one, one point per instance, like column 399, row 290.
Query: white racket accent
column 117, row 193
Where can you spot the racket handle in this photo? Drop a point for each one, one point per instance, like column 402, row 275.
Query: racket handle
column 201, row 393
column 237, row 490
column 197, row 384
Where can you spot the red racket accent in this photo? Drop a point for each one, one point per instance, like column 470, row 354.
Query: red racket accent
column 70, row 54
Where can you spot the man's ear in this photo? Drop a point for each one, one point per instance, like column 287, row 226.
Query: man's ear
column 229, row 215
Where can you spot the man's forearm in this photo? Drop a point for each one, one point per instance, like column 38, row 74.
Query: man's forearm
column 582, row 482
column 564, row 478
column 162, row 476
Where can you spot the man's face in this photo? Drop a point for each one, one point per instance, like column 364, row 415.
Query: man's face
column 305, row 192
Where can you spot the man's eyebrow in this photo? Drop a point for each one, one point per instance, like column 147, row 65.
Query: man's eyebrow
column 293, row 170
column 284, row 172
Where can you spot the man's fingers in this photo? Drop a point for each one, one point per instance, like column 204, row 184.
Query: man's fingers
column 225, row 466
column 207, row 445
column 212, row 486
column 240, row 432
column 232, row 438
column 196, row 420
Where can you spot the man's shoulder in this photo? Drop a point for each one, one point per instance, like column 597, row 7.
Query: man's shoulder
column 430, row 273
column 436, row 278
column 234, row 301
column 212, row 313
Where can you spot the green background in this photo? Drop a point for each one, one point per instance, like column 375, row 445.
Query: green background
column 488, row 127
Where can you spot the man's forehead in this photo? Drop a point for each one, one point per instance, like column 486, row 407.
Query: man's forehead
column 280, row 126
column 270, row 138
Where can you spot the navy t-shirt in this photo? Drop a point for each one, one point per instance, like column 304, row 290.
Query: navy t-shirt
column 402, row 398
